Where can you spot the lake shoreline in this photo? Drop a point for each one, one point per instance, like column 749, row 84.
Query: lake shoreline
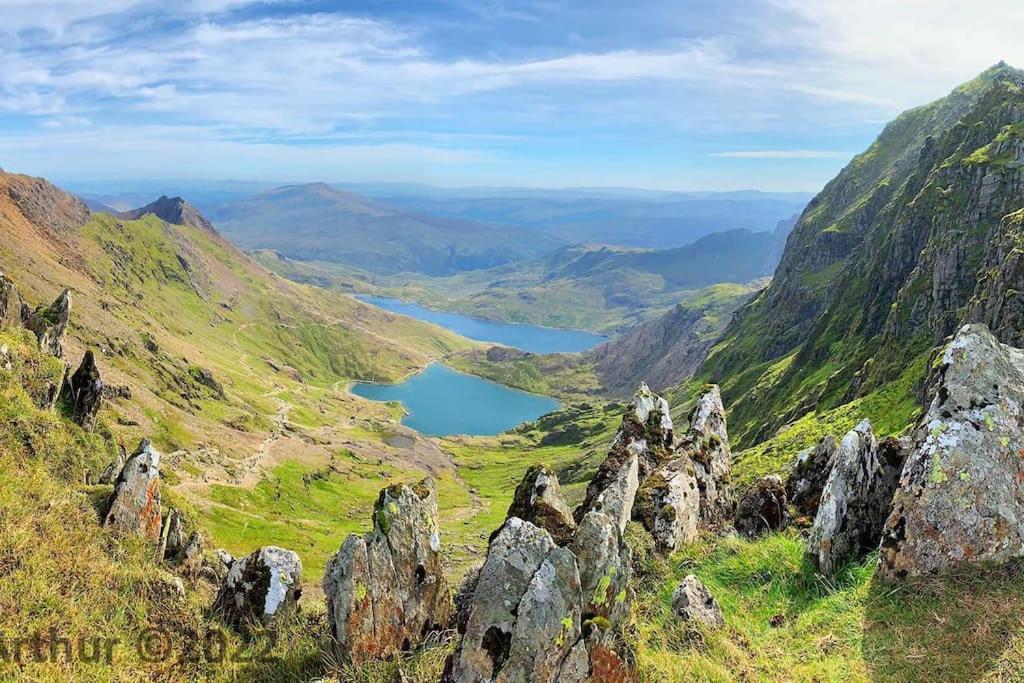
column 431, row 399
column 526, row 337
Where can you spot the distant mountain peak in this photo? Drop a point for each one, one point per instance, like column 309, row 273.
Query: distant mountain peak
column 172, row 210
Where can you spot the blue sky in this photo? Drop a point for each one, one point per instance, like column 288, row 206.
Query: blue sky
column 769, row 94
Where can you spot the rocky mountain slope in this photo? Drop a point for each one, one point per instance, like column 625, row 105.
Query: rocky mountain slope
column 903, row 245
column 667, row 350
column 317, row 222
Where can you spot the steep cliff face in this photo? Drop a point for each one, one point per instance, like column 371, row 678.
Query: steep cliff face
column 884, row 263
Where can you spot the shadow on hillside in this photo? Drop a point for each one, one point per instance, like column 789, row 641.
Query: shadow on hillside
column 956, row 627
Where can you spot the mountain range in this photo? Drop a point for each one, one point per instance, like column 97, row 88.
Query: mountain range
column 316, row 222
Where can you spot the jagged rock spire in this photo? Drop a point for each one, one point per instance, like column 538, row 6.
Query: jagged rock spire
column 386, row 590
column 86, row 392
column 49, row 323
column 856, row 499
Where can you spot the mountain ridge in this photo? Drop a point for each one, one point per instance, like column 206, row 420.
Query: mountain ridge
column 317, row 222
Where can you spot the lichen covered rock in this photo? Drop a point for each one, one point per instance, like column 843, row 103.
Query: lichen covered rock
column 642, row 444
column 692, row 602
column 707, row 445
column 961, row 496
column 135, row 504
column 515, row 555
column 262, row 588
column 85, row 390
column 10, row 303
column 543, row 613
column 856, row 500
column 605, row 565
column 386, row 590
column 50, row 323
column 808, row 476
column 538, row 500
column 762, row 508
column 668, row 504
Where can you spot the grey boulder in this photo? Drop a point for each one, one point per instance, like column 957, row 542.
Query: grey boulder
column 135, row 504
column 692, row 602
column 261, row 589
column 961, row 497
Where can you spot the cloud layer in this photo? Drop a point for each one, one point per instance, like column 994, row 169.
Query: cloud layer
column 558, row 92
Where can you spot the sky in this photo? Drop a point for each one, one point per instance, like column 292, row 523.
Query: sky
column 685, row 95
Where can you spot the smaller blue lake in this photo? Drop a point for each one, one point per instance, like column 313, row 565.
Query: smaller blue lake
column 441, row 401
column 524, row 337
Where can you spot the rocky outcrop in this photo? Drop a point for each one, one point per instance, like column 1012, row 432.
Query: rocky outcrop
column 692, row 602
column 961, row 496
column 10, row 303
column 707, row 445
column 856, row 500
column 538, row 500
column 49, row 324
column 642, row 444
column 668, row 504
column 386, row 590
column 261, row 589
column 541, row 612
column 808, row 476
column 135, row 504
column 85, row 391
column 515, row 555
column 763, row 508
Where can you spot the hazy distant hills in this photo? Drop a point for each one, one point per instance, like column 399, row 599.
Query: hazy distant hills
column 638, row 218
column 317, row 222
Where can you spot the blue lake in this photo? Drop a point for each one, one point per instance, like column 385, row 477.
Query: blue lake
column 441, row 401
column 524, row 337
